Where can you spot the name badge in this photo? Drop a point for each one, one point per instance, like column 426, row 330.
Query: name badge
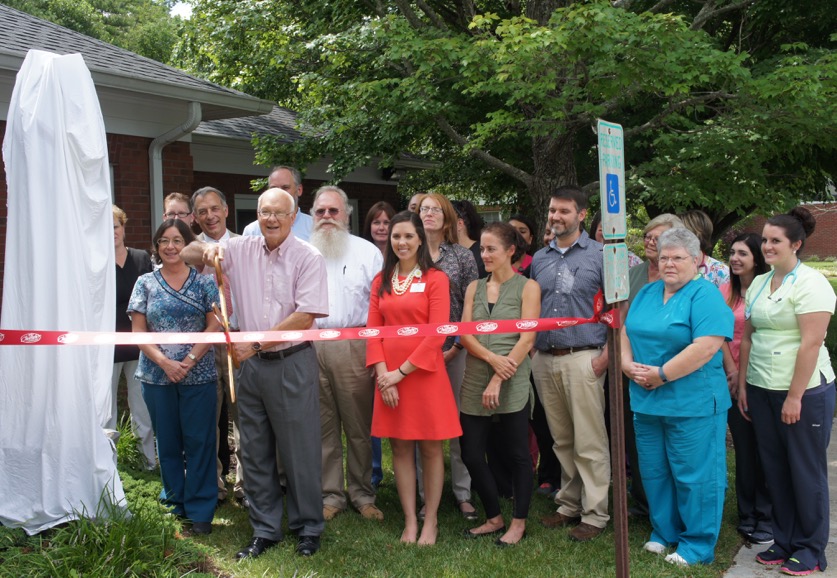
column 417, row 288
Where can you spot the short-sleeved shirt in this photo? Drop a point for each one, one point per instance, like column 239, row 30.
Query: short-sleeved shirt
column 776, row 336
column 138, row 263
column 459, row 265
column 569, row 283
column 738, row 314
column 659, row 331
column 271, row 285
column 714, row 271
column 169, row 311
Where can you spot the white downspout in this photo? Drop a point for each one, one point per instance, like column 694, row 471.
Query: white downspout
column 155, row 160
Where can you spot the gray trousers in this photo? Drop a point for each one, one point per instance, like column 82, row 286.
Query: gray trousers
column 279, row 412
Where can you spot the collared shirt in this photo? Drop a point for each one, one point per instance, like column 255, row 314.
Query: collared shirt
column 569, row 282
column 776, row 337
column 302, row 228
column 270, row 285
column 461, row 268
column 210, row 271
column 349, row 282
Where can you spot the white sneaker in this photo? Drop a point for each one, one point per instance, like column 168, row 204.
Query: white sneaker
column 676, row 559
column 654, row 548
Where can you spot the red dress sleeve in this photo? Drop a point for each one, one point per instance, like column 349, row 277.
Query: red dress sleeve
column 374, row 346
column 437, row 290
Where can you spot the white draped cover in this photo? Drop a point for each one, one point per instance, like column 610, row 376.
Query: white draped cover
column 56, row 464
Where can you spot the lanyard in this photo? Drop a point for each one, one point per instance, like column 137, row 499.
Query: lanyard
column 749, row 310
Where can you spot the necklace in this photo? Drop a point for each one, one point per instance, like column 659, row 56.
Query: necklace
column 400, row 287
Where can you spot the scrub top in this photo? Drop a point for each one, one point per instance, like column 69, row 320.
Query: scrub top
column 658, row 332
column 776, row 336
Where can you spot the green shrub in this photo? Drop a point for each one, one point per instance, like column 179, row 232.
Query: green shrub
column 128, row 451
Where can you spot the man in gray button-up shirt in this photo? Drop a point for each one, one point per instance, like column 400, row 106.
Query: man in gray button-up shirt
column 569, row 367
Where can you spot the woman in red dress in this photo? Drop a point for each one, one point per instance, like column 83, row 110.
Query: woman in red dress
column 414, row 404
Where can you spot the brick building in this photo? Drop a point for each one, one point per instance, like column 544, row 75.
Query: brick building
column 823, row 243
column 169, row 131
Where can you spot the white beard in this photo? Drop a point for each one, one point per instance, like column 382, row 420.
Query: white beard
column 331, row 242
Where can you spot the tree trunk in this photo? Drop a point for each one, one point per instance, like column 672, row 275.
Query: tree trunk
column 554, row 166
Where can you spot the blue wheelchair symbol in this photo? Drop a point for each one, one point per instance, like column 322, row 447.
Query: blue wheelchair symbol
column 612, row 185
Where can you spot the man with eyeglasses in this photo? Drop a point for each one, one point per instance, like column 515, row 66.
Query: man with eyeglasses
column 209, row 206
column 178, row 206
column 346, row 385
column 569, row 367
column 290, row 180
column 280, row 284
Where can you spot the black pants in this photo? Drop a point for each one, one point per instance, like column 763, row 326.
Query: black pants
column 514, row 447
column 754, row 509
column 795, row 464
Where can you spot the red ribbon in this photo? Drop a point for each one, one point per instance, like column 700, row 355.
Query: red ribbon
column 35, row 337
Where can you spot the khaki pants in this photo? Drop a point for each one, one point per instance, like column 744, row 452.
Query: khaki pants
column 573, row 399
column 346, row 397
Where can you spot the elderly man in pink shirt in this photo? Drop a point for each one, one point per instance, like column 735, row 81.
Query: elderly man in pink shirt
column 280, row 285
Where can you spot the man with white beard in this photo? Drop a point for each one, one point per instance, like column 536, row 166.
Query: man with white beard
column 346, row 384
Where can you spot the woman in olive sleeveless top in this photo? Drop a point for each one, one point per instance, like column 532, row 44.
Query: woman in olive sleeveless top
column 496, row 386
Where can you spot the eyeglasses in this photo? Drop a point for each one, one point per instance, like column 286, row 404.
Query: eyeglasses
column 676, row 260
column 651, row 239
column 278, row 215
column 332, row 212
column 177, row 242
column 173, row 215
column 434, row 210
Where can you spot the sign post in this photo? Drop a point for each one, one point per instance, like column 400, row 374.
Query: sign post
column 611, row 145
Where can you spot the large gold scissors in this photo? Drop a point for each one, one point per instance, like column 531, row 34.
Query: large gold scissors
column 224, row 320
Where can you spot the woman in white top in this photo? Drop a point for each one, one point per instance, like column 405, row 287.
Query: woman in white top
column 788, row 392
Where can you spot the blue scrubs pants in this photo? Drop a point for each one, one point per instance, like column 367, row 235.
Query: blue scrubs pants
column 796, row 467
column 183, row 418
column 683, row 462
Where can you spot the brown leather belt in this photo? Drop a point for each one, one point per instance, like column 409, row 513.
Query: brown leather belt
column 559, row 352
column 282, row 353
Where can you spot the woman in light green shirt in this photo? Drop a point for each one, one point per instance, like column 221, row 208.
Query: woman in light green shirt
column 788, row 392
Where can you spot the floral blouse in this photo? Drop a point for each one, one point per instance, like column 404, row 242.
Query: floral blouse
column 167, row 310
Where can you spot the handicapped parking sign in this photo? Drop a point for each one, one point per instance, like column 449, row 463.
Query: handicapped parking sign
column 611, row 148
column 612, row 184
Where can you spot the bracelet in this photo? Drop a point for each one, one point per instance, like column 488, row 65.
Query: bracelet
column 458, row 345
column 401, row 372
column 662, row 374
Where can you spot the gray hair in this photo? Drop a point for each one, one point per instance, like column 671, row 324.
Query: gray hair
column 333, row 189
column 663, row 219
column 202, row 192
column 680, row 238
column 294, row 173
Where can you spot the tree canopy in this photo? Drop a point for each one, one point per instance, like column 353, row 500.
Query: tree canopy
column 728, row 105
column 141, row 26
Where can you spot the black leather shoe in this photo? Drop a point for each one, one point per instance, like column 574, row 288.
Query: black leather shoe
column 308, row 545
column 255, row 548
column 201, row 528
column 243, row 502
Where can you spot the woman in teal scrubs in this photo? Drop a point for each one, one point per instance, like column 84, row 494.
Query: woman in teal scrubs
column 671, row 353
column 788, row 392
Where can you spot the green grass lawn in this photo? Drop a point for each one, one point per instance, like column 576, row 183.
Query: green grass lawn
column 351, row 546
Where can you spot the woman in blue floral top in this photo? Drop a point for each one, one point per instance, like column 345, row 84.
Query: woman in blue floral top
column 179, row 380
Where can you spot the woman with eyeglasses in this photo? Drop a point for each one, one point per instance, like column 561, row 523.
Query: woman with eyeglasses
column 639, row 276
column 671, row 352
column 754, row 512
column 439, row 219
column 788, row 392
column 179, row 380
